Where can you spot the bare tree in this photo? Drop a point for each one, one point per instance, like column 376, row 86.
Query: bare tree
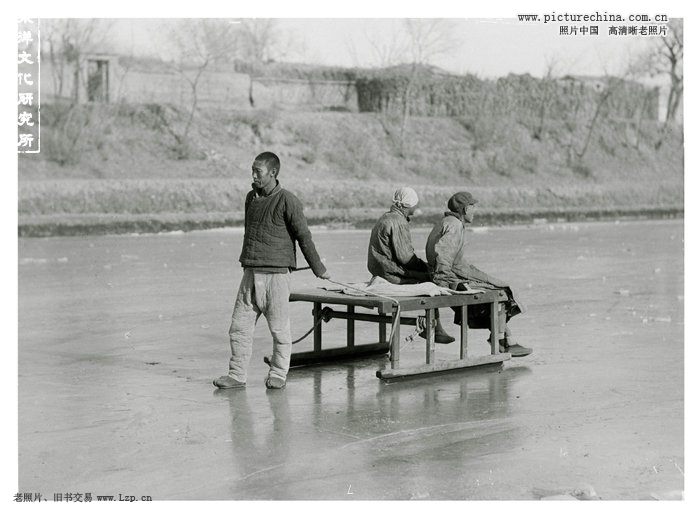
column 427, row 39
column 415, row 42
column 199, row 43
column 667, row 59
column 388, row 52
column 637, row 69
column 260, row 40
column 603, row 97
column 612, row 84
column 547, row 91
column 571, row 117
column 64, row 42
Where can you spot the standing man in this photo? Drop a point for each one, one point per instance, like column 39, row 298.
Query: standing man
column 446, row 250
column 391, row 255
column 274, row 223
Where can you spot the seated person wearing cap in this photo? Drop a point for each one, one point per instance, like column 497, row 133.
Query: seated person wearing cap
column 391, row 255
column 446, row 250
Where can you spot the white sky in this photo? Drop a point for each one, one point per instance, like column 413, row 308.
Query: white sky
column 489, row 47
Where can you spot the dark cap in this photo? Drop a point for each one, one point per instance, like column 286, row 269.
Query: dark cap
column 460, row 200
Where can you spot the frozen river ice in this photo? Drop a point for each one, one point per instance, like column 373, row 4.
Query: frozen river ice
column 120, row 337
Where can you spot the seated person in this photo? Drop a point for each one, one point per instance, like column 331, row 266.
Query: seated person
column 391, row 255
column 446, row 250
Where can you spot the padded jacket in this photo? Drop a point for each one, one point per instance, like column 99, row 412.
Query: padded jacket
column 391, row 255
column 446, row 251
column 274, row 223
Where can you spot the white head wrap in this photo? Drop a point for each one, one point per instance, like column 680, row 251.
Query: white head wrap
column 405, row 197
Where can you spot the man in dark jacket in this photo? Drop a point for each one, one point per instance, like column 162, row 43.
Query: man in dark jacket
column 274, row 223
column 447, row 253
column 391, row 255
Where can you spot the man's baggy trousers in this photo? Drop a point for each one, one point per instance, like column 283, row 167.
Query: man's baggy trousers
column 266, row 294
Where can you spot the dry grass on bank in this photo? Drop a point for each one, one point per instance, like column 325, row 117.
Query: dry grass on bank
column 218, row 195
column 126, row 162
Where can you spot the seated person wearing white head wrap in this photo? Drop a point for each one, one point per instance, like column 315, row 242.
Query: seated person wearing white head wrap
column 391, row 254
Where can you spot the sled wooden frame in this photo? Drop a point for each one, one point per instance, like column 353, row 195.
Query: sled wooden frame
column 387, row 314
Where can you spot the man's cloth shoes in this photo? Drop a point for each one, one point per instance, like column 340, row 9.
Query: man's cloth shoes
column 228, row 382
column 275, row 383
column 440, row 337
column 515, row 350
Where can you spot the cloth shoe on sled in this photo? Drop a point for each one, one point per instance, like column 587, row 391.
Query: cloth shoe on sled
column 440, row 337
column 515, row 350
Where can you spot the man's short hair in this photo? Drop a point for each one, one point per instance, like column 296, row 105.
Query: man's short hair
column 270, row 160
